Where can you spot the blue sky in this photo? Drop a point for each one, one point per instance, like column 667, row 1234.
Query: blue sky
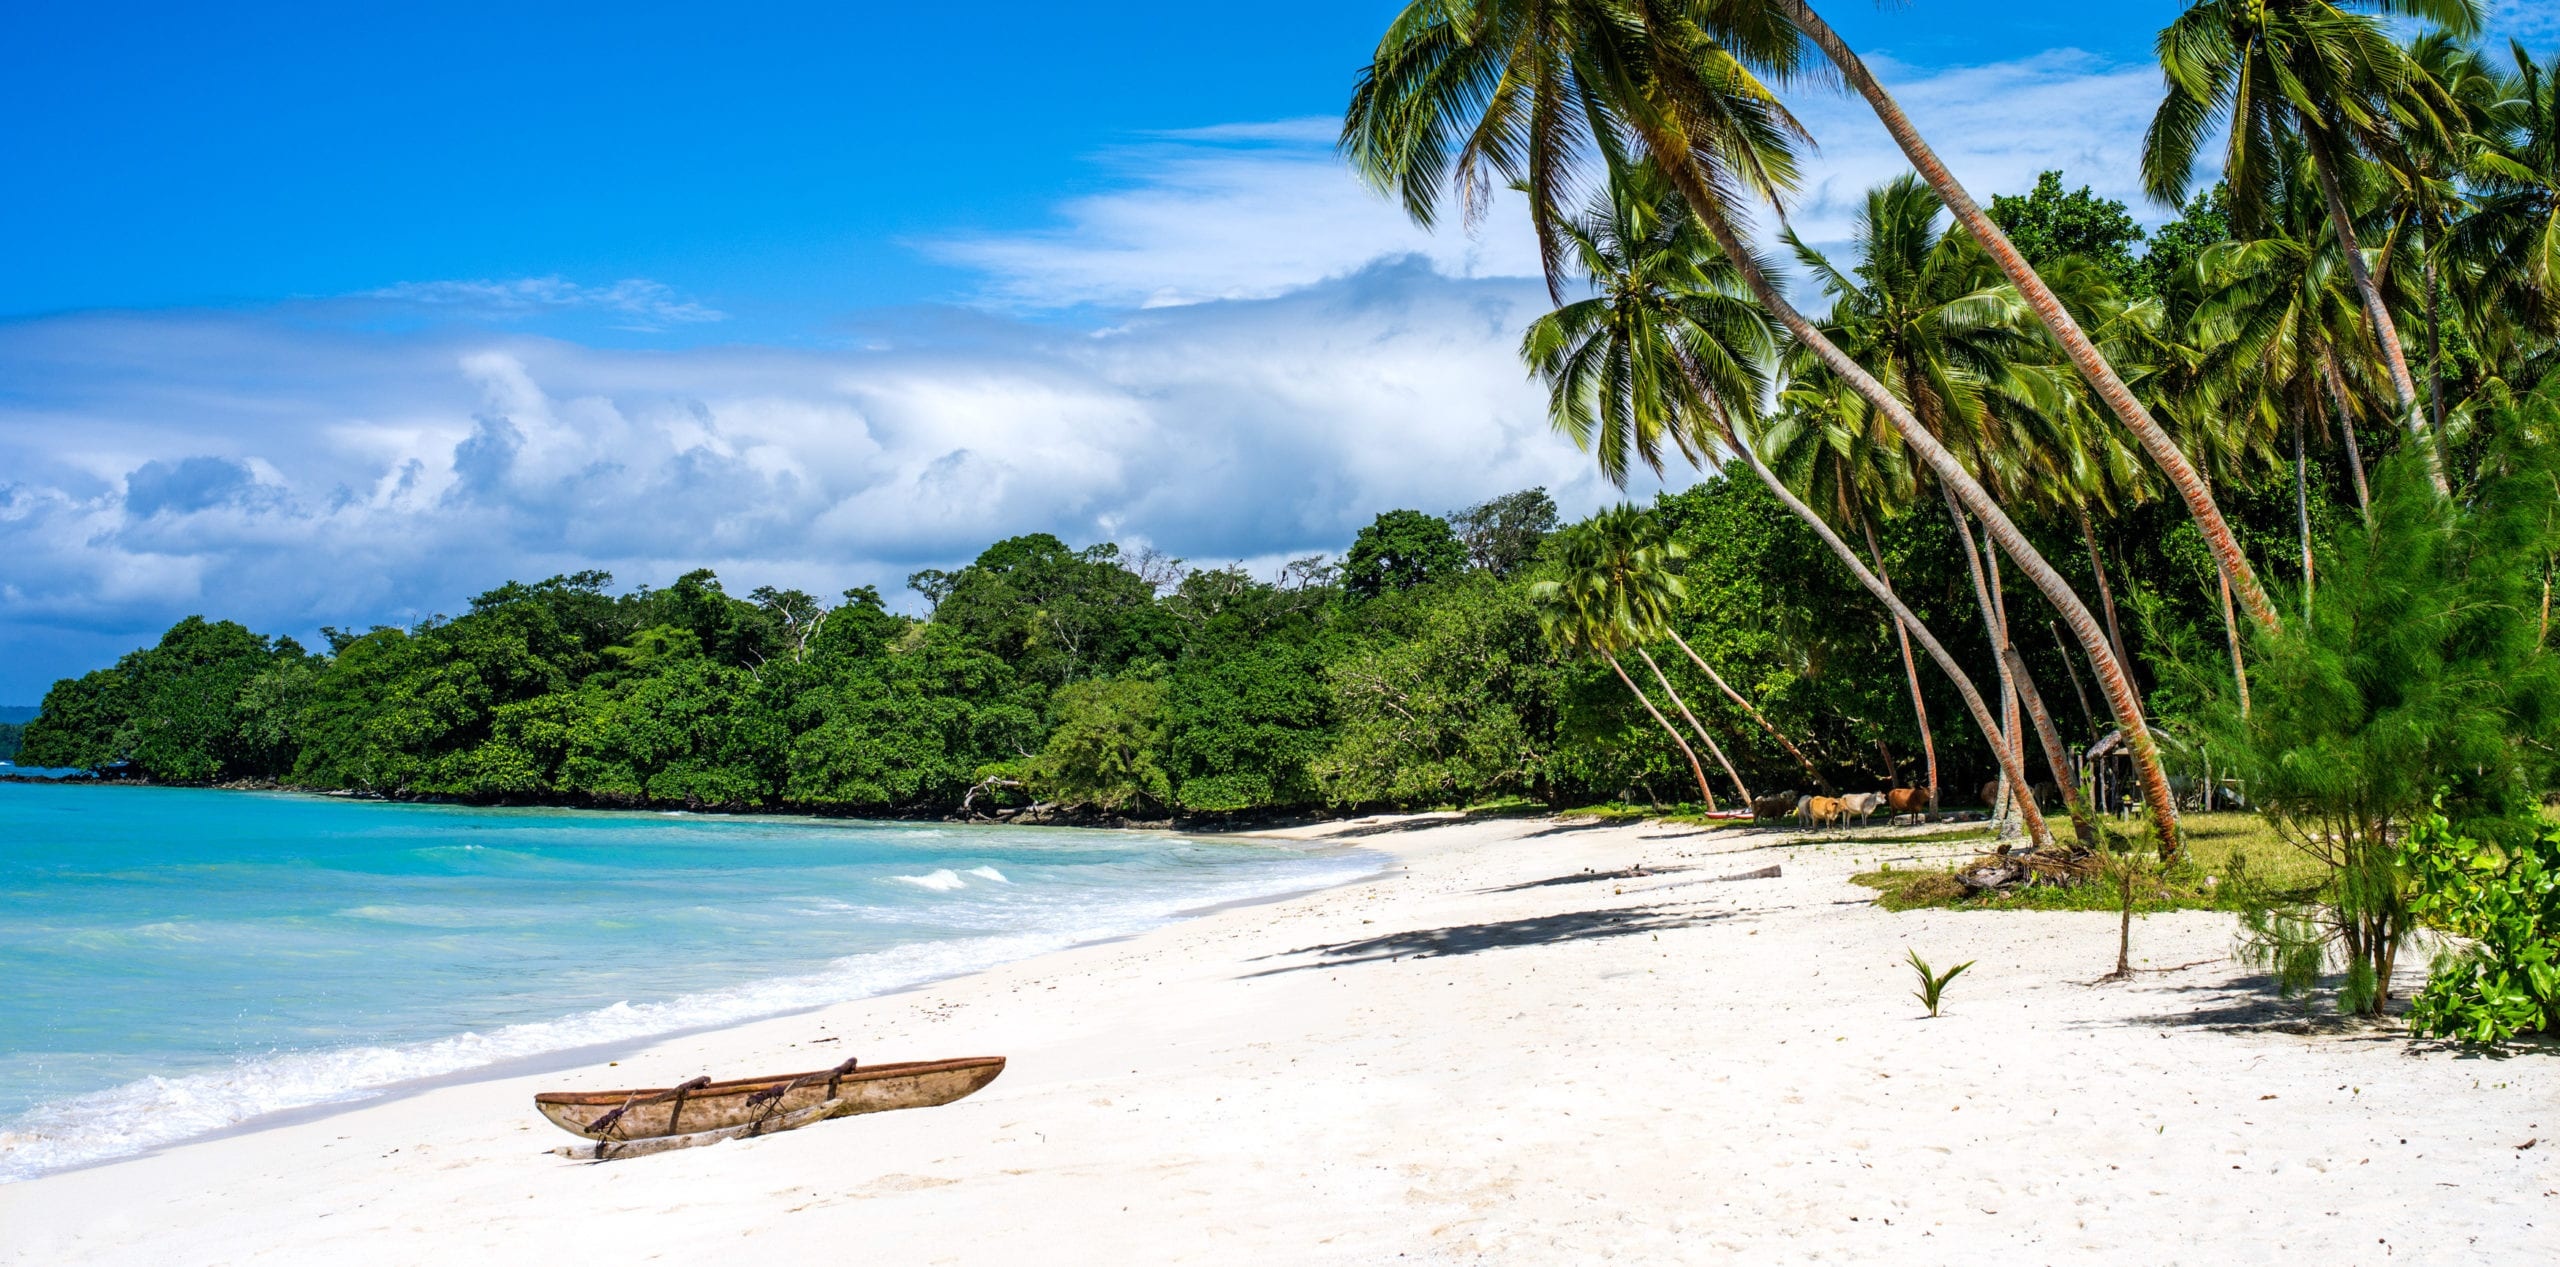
column 781, row 162
column 340, row 314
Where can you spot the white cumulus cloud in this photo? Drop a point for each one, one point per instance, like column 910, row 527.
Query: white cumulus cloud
column 1233, row 429
column 1239, row 211
column 1251, row 210
column 1274, row 355
column 1995, row 126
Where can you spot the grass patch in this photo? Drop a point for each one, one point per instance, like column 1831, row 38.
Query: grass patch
column 1913, row 889
column 1613, row 812
column 1499, row 807
column 2219, row 847
column 1690, row 814
column 1698, row 818
column 1964, row 836
column 2215, row 840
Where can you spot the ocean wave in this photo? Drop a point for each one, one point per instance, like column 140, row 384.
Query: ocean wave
column 156, row 1111
column 158, row 933
column 420, row 916
column 942, row 881
column 989, row 873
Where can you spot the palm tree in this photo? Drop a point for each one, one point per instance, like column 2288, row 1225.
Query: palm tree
column 2273, row 69
column 1619, row 558
column 1583, row 338
column 2453, row 93
column 2182, row 392
column 1668, row 347
column 1923, row 311
column 2085, row 355
column 1639, row 538
column 2084, row 825
column 2510, row 242
column 1832, row 452
column 1582, row 615
column 1523, row 90
column 2279, row 323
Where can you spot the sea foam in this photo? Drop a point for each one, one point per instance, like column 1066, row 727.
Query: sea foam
column 942, row 881
column 1096, row 887
column 155, row 1111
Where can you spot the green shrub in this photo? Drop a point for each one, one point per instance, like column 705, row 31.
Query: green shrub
column 2506, row 902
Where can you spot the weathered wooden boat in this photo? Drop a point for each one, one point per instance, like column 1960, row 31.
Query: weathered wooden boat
column 617, row 1149
column 622, row 1122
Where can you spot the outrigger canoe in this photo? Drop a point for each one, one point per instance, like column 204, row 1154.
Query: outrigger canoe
column 658, row 1119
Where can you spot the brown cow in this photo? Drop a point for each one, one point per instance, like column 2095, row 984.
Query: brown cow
column 1772, row 807
column 1818, row 812
column 1906, row 800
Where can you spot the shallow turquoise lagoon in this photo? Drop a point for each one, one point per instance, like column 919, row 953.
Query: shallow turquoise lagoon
column 176, row 961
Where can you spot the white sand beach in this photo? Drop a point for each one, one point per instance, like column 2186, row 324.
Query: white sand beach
column 1497, row 1053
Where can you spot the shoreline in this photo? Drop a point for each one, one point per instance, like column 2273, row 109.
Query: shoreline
column 1515, row 1046
column 1239, row 824
column 613, row 1052
column 274, row 1070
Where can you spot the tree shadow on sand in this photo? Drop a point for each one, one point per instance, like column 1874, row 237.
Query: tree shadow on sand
column 1395, row 826
column 1468, row 939
column 2250, row 1005
column 1586, row 877
column 1567, row 829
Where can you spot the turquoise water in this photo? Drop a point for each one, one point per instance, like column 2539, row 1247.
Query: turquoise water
column 176, row 961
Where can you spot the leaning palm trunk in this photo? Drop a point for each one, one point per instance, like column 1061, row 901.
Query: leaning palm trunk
column 2106, row 592
column 2435, row 341
column 2056, row 318
column 1707, row 205
column 2086, row 715
column 2302, row 512
column 1746, row 706
column 2008, row 681
column 2386, row 335
column 1991, row 629
column 2036, row 829
column 1701, row 731
column 1696, row 770
column 2347, row 428
column 1910, row 669
column 2231, row 630
column 2056, row 756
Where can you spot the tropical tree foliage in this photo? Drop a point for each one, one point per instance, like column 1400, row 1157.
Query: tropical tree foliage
column 2422, row 682
column 2007, row 423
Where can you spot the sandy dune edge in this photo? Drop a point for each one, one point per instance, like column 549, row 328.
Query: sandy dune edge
column 1489, row 1056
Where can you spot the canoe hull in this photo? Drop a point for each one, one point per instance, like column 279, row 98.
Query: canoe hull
column 872, row 1089
column 618, row 1149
